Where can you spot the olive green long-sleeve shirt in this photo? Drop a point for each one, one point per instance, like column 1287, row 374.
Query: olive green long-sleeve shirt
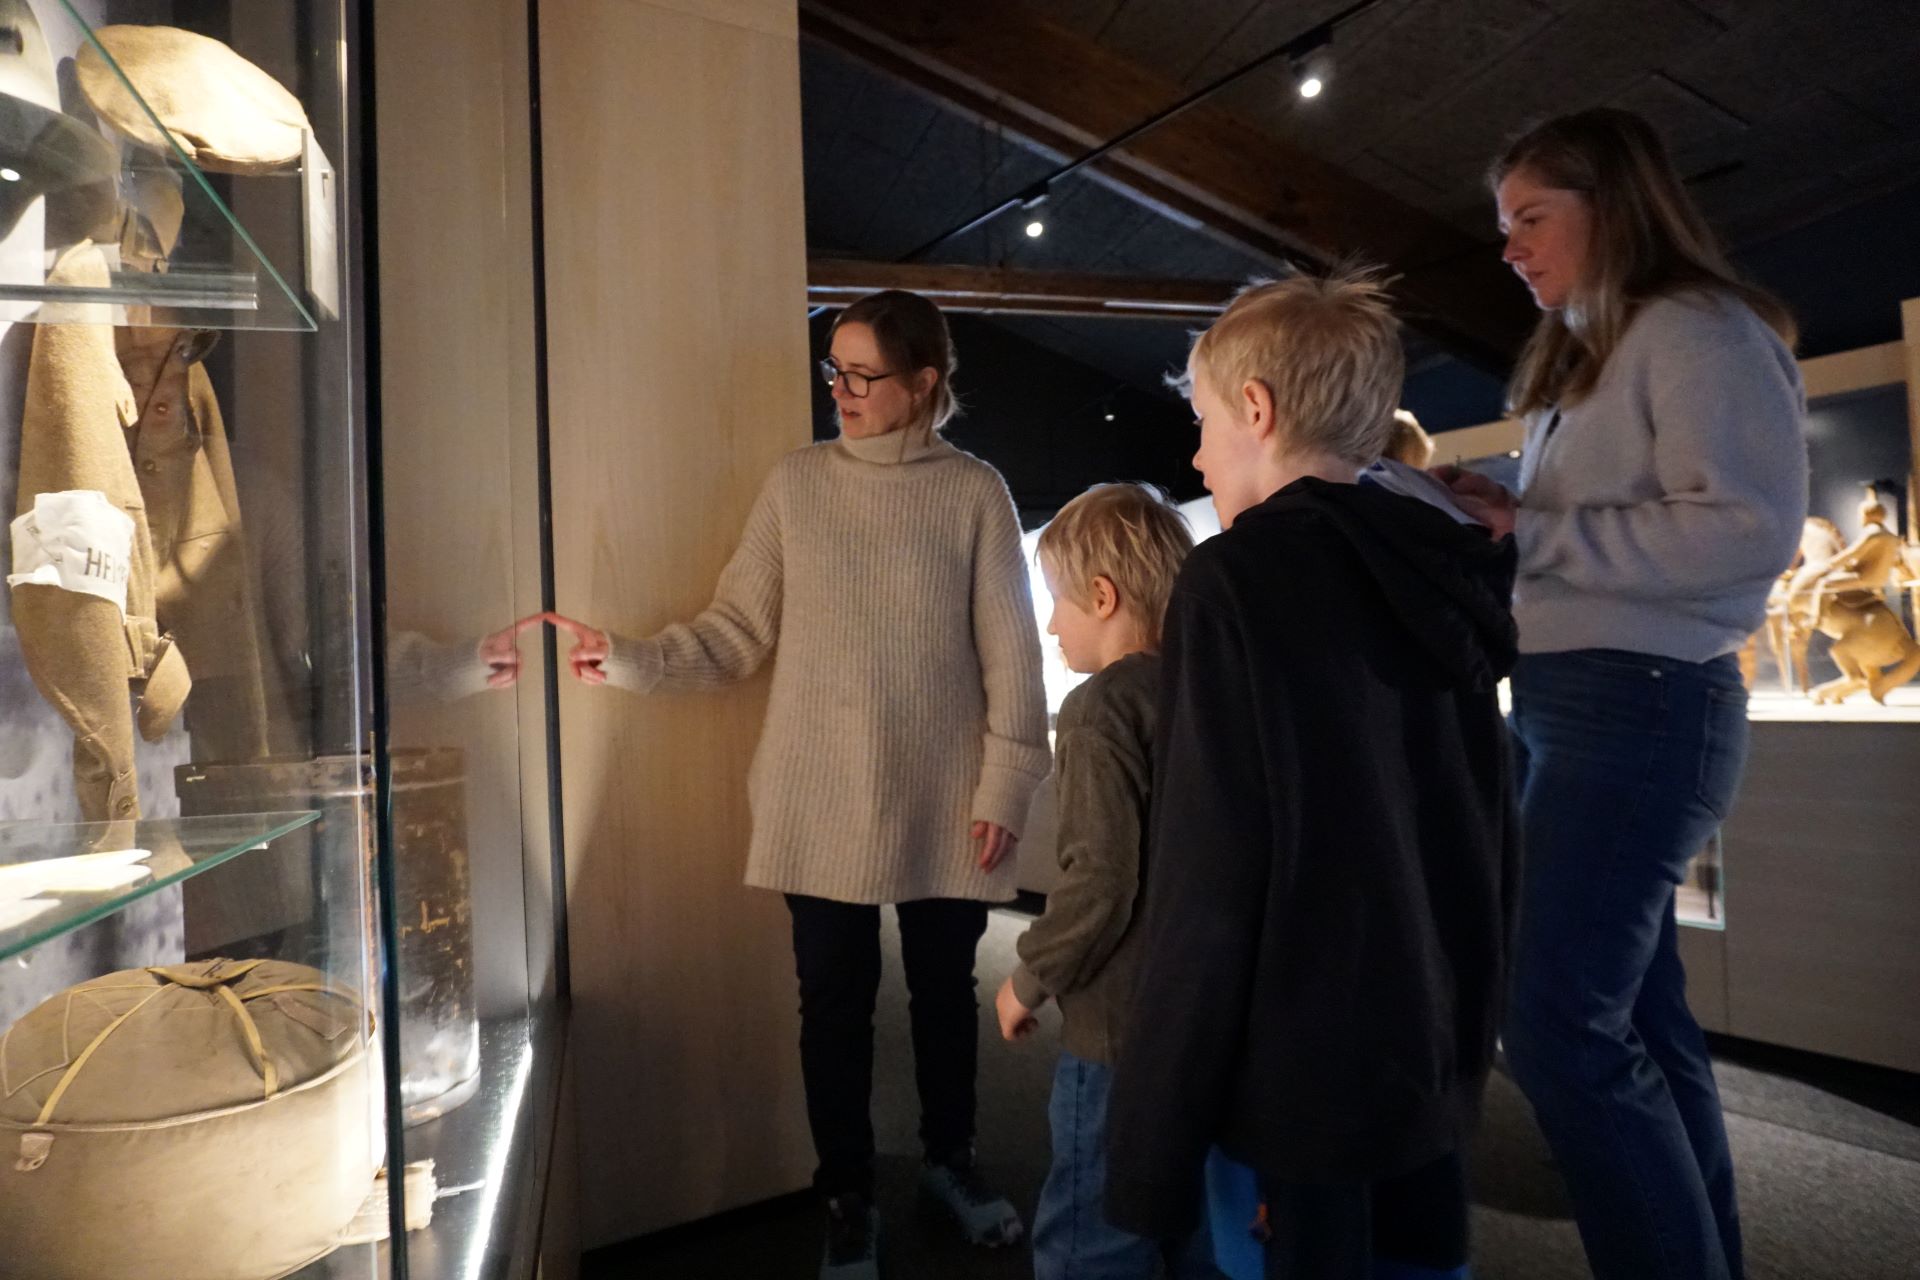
column 1081, row 952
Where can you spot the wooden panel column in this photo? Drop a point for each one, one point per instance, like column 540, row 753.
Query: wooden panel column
column 676, row 265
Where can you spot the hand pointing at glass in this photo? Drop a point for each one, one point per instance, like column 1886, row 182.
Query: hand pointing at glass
column 590, row 648
column 501, row 652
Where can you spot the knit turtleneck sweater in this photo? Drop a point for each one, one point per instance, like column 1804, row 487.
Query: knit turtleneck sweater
column 906, row 700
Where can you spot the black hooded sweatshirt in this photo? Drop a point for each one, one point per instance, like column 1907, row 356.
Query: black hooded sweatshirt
column 1331, row 870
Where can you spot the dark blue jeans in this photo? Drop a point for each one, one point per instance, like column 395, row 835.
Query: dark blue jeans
column 1071, row 1237
column 1628, row 764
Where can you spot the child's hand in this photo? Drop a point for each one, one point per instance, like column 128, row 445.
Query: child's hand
column 992, row 843
column 1016, row 1020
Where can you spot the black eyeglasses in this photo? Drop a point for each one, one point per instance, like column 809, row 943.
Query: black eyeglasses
column 858, row 384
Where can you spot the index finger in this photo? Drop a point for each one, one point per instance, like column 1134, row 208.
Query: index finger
column 528, row 622
column 579, row 630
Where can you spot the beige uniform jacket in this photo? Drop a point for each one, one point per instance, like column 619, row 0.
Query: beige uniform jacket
column 79, row 649
column 204, row 592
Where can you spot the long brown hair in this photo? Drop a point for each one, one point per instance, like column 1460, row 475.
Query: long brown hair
column 1649, row 240
column 912, row 335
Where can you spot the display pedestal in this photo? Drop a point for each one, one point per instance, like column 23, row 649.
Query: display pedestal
column 1822, row 874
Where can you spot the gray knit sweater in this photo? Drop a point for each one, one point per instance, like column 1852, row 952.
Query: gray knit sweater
column 1657, row 512
column 906, row 700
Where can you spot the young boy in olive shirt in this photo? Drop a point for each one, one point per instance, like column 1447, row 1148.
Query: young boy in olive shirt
column 1109, row 558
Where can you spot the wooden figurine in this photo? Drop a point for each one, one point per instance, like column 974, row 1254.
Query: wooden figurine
column 1843, row 598
column 1789, row 624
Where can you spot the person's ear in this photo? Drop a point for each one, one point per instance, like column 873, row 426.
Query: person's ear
column 1256, row 408
column 1104, row 597
column 925, row 381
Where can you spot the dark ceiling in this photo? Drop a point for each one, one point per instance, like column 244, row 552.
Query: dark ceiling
column 1795, row 106
column 1787, row 115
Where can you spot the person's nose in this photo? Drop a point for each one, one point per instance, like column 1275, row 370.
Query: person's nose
column 1514, row 251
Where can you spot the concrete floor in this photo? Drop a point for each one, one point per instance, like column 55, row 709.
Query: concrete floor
column 1828, row 1157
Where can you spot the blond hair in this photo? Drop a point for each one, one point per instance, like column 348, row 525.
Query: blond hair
column 1409, row 441
column 1326, row 347
column 1127, row 533
column 1649, row 240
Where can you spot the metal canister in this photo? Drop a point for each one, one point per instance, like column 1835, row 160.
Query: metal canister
column 303, row 903
column 433, row 900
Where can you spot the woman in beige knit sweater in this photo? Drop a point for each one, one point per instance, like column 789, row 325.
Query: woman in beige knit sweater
column 905, row 735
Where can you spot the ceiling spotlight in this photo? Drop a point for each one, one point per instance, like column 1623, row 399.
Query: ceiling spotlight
column 1513, row 453
column 1310, row 59
column 1109, row 415
column 1036, row 229
column 9, row 175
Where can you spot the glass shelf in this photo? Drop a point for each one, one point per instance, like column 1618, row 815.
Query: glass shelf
column 104, row 219
column 54, row 879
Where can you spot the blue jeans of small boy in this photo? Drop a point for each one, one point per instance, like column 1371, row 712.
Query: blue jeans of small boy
column 1628, row 763
column 1071, row 1238
column 1413, row 1227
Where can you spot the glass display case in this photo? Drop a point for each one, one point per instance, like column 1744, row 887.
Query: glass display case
column 1839, row 643
column 262, row 775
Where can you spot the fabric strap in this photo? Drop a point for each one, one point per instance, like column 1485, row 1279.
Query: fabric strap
column 219, row 978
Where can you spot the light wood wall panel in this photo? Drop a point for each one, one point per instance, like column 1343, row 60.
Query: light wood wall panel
column 678, row 356
column 1855, row 370
column 1704, row 954
column 1821, row 882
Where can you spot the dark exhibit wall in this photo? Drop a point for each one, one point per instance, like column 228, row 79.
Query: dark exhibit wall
column 1845, row 276
column 1855, row 440
column 1041, row 415
column 1450, row 393
column 1043, row 420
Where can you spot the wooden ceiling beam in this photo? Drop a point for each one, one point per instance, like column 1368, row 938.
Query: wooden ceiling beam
column 834, row 282
column 1003, row 63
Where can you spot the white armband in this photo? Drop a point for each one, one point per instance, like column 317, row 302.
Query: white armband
column 76, row 540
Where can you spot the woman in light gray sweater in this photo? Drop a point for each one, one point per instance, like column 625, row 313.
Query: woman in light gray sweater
column 906, row 733
column 1663, row 489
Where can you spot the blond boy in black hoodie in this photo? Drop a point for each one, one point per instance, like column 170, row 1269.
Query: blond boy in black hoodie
column 1333, row 840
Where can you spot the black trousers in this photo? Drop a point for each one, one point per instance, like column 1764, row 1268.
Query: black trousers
column 836, row 947
column 1419, row 1219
